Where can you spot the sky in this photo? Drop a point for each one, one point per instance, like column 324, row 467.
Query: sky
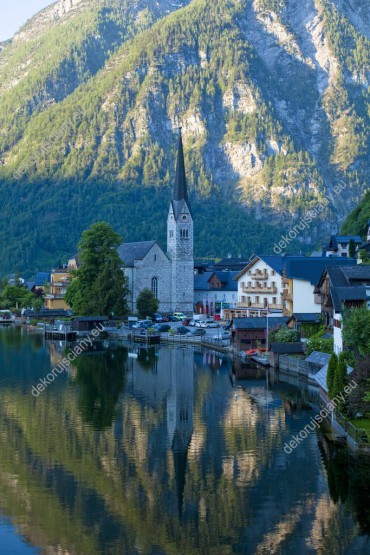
column 14, row 13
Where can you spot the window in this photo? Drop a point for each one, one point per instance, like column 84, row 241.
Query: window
column 171, row 234
column 274, row 300
column 184, row 233
column 155, row 258
column 155, row 287
column 273, row 272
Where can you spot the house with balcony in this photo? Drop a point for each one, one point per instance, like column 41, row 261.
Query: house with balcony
column 59, row 281
column 340, row 288
column 259, row 288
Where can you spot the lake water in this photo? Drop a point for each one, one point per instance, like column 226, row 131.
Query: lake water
column 166, row 451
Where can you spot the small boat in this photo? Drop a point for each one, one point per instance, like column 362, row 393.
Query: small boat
column 251, row 352
column 6, row 318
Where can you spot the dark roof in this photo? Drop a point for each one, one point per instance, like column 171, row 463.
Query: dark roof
column 341, row 295
column 317, row 357
column 310, row 268
column 46, row 313
column 129, row 252
column 360, row 272
column 275, row 261
column 335, row 239
column 180, row 192
column 30, row 285
column 41, row 278
column 287, row 348
column 259, row 323
column 365, row 246
column 90, row 319
column 306, row 317
column 231, row 263
column 201, row 281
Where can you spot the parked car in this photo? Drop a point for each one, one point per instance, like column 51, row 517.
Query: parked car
column 180, row 316
column 212, row 324
column 158, row 318
column 165, row 319
column 172, row 318
column 222, row 335
column 142, row 324
column 186, row 322
column 164, row 328
column 199, row 323
column 181, row 330
column 198, row 331
column 192, row 323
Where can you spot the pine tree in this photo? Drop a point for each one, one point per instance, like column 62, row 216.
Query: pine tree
column 340, row 378
column 333, row 363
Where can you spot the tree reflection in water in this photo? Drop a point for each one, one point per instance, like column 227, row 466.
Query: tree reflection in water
column 100, row 380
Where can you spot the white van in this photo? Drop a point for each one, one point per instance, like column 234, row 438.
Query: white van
column 180, row 315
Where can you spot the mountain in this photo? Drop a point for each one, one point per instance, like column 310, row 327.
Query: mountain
column 272, row 96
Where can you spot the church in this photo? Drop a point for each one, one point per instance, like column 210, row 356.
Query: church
column 169, row 275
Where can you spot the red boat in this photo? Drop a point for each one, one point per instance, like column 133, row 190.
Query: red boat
column 251, row 352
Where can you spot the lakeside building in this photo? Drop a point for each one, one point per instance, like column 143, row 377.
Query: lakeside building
column 169, row 275
column 340, row 288
column 282, row 284
column 60, row 278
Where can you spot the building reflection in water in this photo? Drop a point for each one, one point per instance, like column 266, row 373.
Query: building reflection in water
column 168, row 380
column 153, row 451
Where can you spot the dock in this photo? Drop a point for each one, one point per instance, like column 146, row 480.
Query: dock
column 60, row 335
column 149, row 338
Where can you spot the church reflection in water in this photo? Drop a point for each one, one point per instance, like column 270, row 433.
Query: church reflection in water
column 168, row 381
column 156, row 451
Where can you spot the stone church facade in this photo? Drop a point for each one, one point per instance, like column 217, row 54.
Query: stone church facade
column 170, row 275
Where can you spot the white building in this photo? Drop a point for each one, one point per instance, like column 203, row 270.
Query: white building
column 339, row 245
column 259, row 285
column 215, row 291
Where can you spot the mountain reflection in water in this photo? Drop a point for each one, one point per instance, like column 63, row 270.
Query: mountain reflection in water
column 166, row 451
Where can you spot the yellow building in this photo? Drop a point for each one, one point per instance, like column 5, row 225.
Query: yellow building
column 59, row 282
column 60, row 279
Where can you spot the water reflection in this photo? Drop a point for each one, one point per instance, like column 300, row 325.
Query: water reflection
column 157, row 451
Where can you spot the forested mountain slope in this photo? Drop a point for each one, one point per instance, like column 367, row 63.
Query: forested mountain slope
column 272, row 96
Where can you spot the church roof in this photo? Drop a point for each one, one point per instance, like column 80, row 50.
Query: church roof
column 180, row 193
column 129, row 252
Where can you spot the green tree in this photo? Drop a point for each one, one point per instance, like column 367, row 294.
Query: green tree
column 16, row 297
column 356, row 330
column 352, row 248
column 332, row 367
column 146, row 303
column 340, row 377
column 99, row 286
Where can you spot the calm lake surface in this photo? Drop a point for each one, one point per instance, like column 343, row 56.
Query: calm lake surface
column 166, row 451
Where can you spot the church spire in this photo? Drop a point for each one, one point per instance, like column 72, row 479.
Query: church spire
column 181, row 191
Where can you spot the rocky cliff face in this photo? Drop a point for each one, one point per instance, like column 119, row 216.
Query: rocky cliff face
column 272, row 96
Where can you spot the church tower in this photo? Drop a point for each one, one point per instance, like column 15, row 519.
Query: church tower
column 180, row 240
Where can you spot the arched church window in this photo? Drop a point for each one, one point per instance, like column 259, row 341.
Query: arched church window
column 155, row 287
